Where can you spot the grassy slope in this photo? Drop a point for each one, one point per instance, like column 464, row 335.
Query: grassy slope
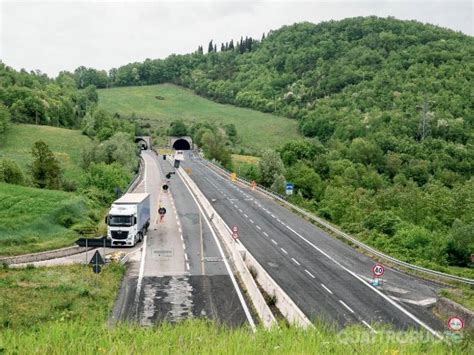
column 34, row 220
column 257, row 130
column 66, row 144
column 33, row 296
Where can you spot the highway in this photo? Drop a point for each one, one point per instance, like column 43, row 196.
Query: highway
column 326, row 278
column 181, row 271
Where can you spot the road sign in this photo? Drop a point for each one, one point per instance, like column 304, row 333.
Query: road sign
column 97, row 259
column 235, row 232
column 176, row 164
column 162, row 211
column 233, row 176
column 289, row 188
column 378, row 270
column 253, row 184
column 455, row 323
column 165, row 187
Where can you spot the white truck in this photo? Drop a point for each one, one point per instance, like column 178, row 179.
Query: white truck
column 128, row 219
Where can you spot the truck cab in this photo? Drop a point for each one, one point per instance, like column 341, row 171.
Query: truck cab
column 128, row 219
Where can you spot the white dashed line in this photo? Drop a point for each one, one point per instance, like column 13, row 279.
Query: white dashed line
column 283, row 250
column 241, row 211
column 324, row 286
column 310, row 274
column 187, row 266
column 182, row 237
column 295, row 261
column 258, row 227
column 265, row 234
column 345, row 305
column 251, row 221
column 273, row 241
column 186, row 256
column 179, row 229
column 184, row 247
column 273, row 216
column 246, row 216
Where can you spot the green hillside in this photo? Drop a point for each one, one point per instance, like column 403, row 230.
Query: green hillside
column 255, row 129
column 35, row 220
column 387, row 107
column 66, row 145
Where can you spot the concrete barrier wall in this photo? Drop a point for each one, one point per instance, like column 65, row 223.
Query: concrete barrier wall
column 448, row 308
column 260, row 305
column 285, row 304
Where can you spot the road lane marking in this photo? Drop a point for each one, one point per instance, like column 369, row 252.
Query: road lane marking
column 392, row 302
column 310, row 274
column 246, row 216
column 324, row 286
column 273, row 241
column 140, row 274
column 184, row 246
column 182, row 237
column 250, row 220
column 283, row 250
column 345, row 305
column 241, row 211
column 187, row 266
column 258, row 227
column 226, row 263
column 265, row 234
column 368, row 326
column 186, row 256
column 295, row 261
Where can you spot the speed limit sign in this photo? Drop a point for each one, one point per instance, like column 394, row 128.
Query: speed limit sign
column 455, row 323
column 378, row 270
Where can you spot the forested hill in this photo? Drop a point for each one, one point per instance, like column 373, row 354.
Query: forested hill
column 388, row 106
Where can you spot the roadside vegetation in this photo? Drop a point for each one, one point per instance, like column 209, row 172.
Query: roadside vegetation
column 35, row 299
column 88, row 153
column 35, row 220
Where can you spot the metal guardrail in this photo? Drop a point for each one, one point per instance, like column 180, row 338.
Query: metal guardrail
column 136, row 179
column 344, row 235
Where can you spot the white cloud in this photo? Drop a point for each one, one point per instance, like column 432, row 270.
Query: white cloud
column 53, row 36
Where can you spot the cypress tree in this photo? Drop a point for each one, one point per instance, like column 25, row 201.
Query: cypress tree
column 210, row 48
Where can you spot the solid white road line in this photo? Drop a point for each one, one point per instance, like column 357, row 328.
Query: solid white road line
column 310, row 274
column 368, row 326
column 345, row 305
column 295, row 261
column 226, row 263
column 324, row 286
column 140, row 274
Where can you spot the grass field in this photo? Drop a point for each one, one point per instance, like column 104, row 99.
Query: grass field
column 66, row 145
column 58, row 310
column 201, row 337
column 256, row 130
column 34, row 220
column 32, row 297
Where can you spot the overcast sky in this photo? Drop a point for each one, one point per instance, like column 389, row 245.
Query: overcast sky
column 61, row 35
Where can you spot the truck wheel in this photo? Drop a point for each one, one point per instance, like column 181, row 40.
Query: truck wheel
column 140, row 237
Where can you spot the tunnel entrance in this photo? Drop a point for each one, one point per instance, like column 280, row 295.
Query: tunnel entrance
column 142, row 144
column 181, row 144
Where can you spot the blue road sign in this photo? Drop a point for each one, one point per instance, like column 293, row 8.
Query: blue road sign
column 289, row 188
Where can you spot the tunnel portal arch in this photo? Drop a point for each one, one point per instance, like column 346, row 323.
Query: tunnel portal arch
column 143, row 142
column 181, row 143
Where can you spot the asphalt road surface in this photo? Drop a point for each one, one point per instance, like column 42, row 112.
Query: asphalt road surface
column 180, row 272
column 326, row 278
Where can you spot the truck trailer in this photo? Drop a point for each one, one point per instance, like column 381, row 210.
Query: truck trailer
column 128, row 219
